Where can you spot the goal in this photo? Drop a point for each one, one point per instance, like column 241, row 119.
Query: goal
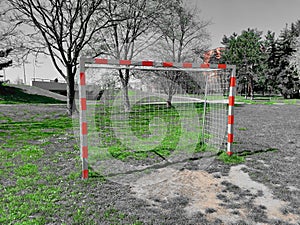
column 139, row 115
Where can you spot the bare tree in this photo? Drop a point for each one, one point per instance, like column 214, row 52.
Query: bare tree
column 183, row 38
column 129, row 35
column 60, row 29
column 4, row 61
column 7, row 30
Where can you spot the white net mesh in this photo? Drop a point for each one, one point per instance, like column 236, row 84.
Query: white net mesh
column 142, row 119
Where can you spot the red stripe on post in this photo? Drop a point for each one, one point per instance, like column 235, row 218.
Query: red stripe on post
column 82, row 78
column 125, row 62
column 229, row 153
column 232, row 81
column 205, row 65
column 147, row 63
column 231, row 119
column 84, row 153
column 85, row 174
column 230, row 138
column 167, row 64
column 187, row 65
column 101, row 61
column 83, row 103
column 231, row 100
column 222, row 66
column 84, row 128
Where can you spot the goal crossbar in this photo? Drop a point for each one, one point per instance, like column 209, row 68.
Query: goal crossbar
column 86, row 62
column 152, row 64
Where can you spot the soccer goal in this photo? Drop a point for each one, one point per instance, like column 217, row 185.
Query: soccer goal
column 139, row 115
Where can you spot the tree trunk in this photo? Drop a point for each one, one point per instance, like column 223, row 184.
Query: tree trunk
column 169, row 101
column 70, row 92
column 126, row 98
column 246, row 89
column 125, row 81
column 251, row 86
column 170, row 96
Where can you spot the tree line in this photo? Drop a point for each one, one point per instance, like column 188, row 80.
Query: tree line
column 265, row 64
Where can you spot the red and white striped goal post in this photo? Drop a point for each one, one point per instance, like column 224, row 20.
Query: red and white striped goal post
column 131, row 64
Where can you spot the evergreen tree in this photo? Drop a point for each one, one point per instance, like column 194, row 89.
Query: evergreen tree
column 245, row 51
column 272, row 61
column 286, row 74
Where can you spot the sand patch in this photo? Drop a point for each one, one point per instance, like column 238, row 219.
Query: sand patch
column 203, row 189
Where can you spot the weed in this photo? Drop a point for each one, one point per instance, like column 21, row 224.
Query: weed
column 26, row 170
column 233, row 159
column 114, row 215
column 79, row 217
column 30, row 153
column 74, row 175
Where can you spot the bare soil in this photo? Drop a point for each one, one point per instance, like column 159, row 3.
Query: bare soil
column 265, row 189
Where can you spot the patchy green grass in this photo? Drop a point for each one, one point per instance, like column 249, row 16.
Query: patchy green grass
column 267, row 100
column 157, row 128
column 26, row 195
column 13, row 95
column 40, row 179
column 233, row 159
column 34, row 130
column 40, row 165
column 114, row 216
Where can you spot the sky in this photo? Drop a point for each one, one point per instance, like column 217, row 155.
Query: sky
column 227, row 17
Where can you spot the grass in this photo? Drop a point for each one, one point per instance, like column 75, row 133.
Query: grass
column 28, row 196
column 40, row 173
column 13, row 95
column 233, row 159
column 33, row 187
column 156, row 129
column 24, row 130
column 267, row 100
column 114, row 216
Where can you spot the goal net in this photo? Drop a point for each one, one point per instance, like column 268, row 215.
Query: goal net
column 138, row 116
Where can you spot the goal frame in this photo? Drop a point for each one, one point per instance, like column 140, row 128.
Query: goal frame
column 146, row 64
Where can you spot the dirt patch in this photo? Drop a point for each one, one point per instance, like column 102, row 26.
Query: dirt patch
column 198, row 186
column 201, row 192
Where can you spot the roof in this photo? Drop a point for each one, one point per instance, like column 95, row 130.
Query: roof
column 213, row 53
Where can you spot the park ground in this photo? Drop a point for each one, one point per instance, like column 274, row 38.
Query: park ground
column 40, row 175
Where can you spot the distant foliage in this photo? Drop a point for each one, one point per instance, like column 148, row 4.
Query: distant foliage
column 287, row 76
column 266, row 64
column 245, row 51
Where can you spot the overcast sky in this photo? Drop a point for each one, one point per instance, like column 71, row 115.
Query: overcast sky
column 227, row 16
column 230, row 16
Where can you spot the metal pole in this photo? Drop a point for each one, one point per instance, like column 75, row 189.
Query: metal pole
column 24, row 72
column 83, row 120
column 204, row 110
column 231, row 111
